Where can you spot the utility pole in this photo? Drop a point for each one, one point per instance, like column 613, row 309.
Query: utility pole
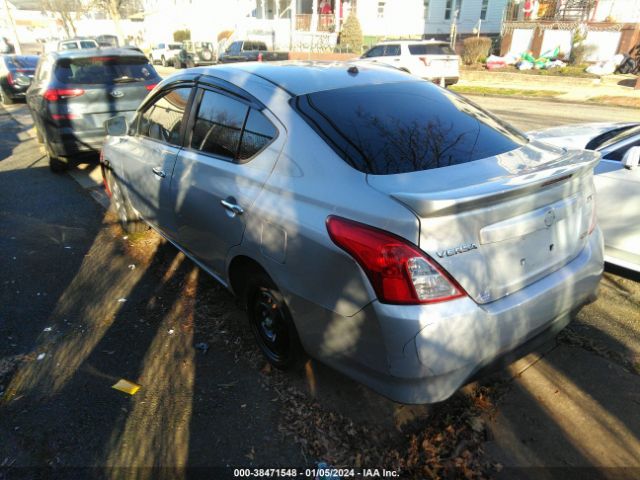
column 16, row 42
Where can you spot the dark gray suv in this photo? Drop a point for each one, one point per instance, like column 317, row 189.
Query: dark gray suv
column 75, row 92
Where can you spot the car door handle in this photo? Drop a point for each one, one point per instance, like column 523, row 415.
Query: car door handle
column 159, row 172
column 233, row 207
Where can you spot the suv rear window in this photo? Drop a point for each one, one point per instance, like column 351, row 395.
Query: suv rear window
column 405, row 127
column 101, row 70
column 431, row 49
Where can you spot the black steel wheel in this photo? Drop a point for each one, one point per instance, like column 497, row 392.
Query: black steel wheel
column 271, row 323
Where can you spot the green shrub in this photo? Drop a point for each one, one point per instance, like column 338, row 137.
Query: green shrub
column 181, row 35
column 475, row 48
column 351, row 36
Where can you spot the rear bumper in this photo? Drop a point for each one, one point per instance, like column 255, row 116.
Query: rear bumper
column 66, row 142
column 424, row 353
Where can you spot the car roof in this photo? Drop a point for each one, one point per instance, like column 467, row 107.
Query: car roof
column 91, row 52
column 301, row 78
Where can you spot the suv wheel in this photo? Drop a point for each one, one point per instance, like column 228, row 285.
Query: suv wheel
column 130, row 222
column 271, row 323
column 57, row 164
column 5, row 98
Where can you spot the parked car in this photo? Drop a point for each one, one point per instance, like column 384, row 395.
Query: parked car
column 429, row 59
column 202, row 53
column 617, row 182
column 250, row 51
column 76, row 91
column 163, row 53
column 108, row 41
column 16, row 74
column 386, row 226
column 78, row 43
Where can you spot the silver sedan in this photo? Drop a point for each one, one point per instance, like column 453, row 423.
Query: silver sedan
column 617, row 182
column 377, row 222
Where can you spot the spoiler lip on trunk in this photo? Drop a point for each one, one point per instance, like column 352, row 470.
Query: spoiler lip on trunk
column 456, row 200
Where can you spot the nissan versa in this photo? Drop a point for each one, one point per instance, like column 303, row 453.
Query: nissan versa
column 381, row 224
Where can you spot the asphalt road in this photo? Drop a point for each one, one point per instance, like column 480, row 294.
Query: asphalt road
column 82, row 305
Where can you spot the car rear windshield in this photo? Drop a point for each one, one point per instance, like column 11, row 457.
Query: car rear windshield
column 175, row 46
column 431, row 49
column 99, row 70
column 28, row 63
column 405, row 127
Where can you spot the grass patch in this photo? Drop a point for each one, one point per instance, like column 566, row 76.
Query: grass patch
column 620, row 101
column 507, row 92
column 568, row 71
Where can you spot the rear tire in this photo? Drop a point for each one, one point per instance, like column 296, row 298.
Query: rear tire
column 5, row 98
column 271, row 323
column 129, row 221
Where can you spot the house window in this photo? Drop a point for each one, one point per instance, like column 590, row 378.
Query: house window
column 451, row 7
column 483, row 11
column 426, row 8
column 381, row 5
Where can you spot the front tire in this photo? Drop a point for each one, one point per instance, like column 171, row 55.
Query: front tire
column 271, row 323
column 129, row 221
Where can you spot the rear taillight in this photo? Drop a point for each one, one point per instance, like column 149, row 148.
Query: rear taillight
column 56, row 94
column 399, row 272
column 150, row 87
column 9, row 78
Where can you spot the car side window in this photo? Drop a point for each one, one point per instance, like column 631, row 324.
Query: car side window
column 257, row 134
column 375, row 52
column 392, row 50
column 163, row 119
column 218, row 125
column 618, row 154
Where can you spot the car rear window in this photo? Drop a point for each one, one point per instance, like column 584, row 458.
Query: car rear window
column 175, row 46
column 22, row 62
column 431, row 49
column 104, row 70
column 405, row 127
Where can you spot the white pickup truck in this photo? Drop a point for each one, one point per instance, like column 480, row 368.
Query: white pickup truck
column 163, row 53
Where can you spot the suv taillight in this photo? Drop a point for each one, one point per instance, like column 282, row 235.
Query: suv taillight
column 9, row 78
column 55, row 94
column 399, row 272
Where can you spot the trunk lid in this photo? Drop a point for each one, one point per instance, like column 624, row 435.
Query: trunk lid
column 501, row 223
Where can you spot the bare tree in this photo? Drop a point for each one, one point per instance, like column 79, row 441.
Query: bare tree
column 67, row 11
column 116, row 10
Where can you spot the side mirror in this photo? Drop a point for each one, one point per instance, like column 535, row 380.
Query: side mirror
column 631, row 159
column 117, row 126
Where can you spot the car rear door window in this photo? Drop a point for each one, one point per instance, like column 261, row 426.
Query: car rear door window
column 218, row 125
column 405, row 127
column 257, row 134
column 162, row 121
column 104, row 69
column 392, row 50
column 431, row 49
column 375, row 52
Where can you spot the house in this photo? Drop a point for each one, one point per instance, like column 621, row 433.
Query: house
column 607, row 26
